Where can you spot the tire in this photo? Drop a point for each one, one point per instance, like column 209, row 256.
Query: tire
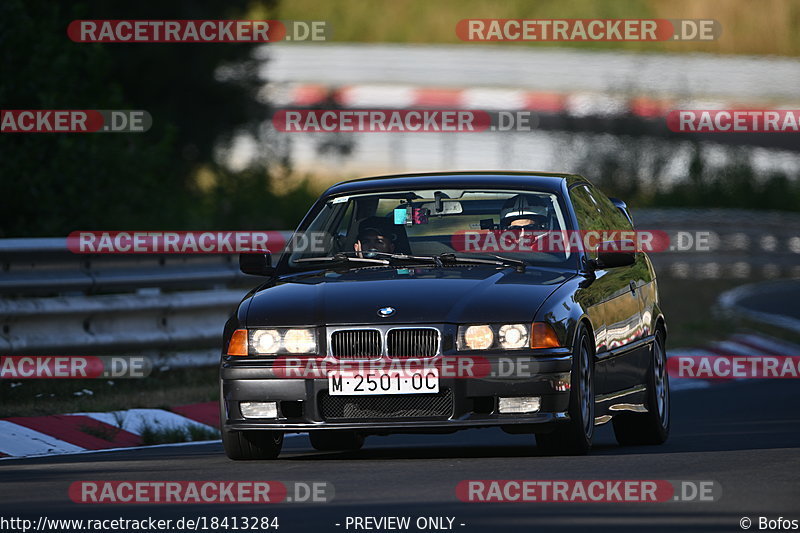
column 252, row 444
column 652, row 427
column 575, row 437
column 336, row 440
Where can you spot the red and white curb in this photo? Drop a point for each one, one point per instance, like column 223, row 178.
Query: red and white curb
column 741, row 344
column 80, row 432
column 576, row 104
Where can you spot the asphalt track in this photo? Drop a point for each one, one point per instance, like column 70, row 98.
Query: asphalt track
column 776, row 297
column 743, row 435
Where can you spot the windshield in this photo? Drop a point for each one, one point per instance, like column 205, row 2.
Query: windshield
column 453, row 224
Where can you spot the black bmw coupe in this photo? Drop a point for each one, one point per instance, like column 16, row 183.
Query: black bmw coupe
column 446, row 301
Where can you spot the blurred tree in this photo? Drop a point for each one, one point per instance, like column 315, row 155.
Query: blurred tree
column 51, row 184
column 632, row 168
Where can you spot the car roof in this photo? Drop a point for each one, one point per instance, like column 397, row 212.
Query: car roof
column 540, row 181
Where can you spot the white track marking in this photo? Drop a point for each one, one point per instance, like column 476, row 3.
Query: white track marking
column 19, row 440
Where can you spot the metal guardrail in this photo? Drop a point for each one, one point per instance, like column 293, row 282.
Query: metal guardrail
column 47, row 267
column 53, row 301
column 120, row 323
column 746, row 245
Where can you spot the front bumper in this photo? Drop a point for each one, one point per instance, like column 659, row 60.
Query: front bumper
column 304, row 404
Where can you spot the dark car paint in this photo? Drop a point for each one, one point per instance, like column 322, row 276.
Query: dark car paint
column 420, row 294
column 622, row 316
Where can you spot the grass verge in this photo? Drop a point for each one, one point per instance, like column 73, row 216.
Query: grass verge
column 687, row 306
column 35, row 397
column 189, row 433
column 768, row 30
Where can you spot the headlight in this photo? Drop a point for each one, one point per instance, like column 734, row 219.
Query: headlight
column 478, row 337
column 283, row 340
column 506, row 336
column 300, row 341
column 266, row 341
column 513, row 336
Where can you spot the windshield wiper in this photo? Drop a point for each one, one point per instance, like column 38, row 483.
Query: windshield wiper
column 438, row 260
column 445, row 257
column 511, row 262
column 498, row 260
column 342, row 258
column 389, row 257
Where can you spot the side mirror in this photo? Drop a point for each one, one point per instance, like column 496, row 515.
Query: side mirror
column 613, row 254
column 257, row 264
column 615, row 259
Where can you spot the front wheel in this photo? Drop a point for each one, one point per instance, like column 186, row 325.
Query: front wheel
column 575, row 437
column 651, row 427
column 252, row 444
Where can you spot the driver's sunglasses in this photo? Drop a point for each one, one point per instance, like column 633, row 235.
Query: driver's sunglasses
column 527, row 227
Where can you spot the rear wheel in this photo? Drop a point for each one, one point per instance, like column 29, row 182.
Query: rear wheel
column 336, row 440
column 651, row 427
column 575, row 437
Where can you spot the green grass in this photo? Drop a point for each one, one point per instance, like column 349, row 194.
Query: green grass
column 767, row 27
column 33, row 397
column 189, row 433
column 101, row 432
column 687, row 306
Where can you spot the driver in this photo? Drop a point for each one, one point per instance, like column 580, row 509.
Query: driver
column 374, row 235
column 518, row 214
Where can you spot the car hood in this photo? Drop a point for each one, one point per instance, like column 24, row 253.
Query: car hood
column 458, row 294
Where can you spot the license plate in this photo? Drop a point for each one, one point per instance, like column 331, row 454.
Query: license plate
column 375, row 383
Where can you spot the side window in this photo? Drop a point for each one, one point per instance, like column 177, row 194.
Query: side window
column 595, row 211
column 346, row 221
column 611, row 212
column 586, row 209
column 344, row 229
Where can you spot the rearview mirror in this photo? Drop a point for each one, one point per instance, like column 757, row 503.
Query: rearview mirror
column 446, row 207
column 256, row 264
